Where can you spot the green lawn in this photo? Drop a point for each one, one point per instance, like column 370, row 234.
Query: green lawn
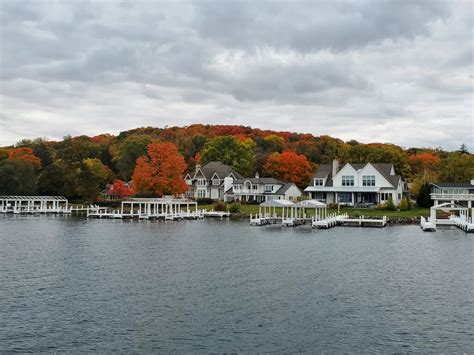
column 370, row 212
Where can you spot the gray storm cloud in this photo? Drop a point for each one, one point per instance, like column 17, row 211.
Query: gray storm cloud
column 394, row 71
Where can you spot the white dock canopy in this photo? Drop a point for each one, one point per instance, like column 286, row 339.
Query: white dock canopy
column 320, row 208
column 277, row 203
column 32, row 203
column 156, row 206
column 311, row 204
column 270, row 206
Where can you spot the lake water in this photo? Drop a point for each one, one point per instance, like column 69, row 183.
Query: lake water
column 71, row 284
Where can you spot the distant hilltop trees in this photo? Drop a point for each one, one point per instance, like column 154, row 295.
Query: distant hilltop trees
column 156, row 159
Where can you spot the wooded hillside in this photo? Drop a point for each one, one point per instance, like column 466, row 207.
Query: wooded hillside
column 80, row 167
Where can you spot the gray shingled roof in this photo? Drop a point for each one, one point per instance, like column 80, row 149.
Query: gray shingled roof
column 285, row 188
column 221, row 169
column 325, row 171
column 258, row 181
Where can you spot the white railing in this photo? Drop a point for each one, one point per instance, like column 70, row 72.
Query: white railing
column 462, row 197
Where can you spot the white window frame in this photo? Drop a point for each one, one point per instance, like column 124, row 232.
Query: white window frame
column 318, row 182
column 368, row 180
column 347, row 180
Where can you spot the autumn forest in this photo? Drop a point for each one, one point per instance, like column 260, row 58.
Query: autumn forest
column 156, row 159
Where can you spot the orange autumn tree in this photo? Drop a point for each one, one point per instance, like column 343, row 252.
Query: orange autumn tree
column 160, row 172
column 25, row 154
column 122, row 189
column 424, row 162
column 289, row 166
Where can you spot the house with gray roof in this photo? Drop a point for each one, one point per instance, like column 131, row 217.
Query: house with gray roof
column 259, row 190
column 209, row 181
column 356, row 184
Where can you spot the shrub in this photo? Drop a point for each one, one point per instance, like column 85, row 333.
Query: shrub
column 403, row 206
column 205, row 201
column 219, row 206
column 355, row 214
column 234, row 207
column 389, row 205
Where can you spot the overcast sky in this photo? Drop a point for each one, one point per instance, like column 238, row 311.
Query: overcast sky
column 384, row 71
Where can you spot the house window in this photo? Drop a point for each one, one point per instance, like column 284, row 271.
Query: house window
column 368, row 180
column 201, row 182
column 318, row 182
column 268, row 188
column 201, row 193
column 236, row 187
column 345, row 197
column 255, row 187
column 215, row 182
column 347, row 180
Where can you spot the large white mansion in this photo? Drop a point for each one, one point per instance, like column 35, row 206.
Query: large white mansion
column 356, row 184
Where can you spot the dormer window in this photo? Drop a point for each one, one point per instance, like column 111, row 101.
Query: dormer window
column 347, row 180
column 268, row 188
column 216, row 182
column 318, row 182
column 201, row 182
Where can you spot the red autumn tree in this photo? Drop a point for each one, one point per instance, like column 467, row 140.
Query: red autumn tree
column 25, row 154
column 160, row 172
column 290, row 167
column 122, row 189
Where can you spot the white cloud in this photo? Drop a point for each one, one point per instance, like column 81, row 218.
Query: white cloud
column 390, row 71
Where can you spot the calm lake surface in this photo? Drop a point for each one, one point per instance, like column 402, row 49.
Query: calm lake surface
column 71, row 284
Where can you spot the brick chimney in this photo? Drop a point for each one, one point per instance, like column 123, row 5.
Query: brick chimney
column 335, row 167
column 257, row 175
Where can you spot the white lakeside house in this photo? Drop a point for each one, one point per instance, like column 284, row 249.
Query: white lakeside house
column 209, row 181
column 356, row 184
column 460, row 193
column 259, row 190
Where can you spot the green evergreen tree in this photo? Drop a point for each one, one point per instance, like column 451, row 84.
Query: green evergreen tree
column 424, row 198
